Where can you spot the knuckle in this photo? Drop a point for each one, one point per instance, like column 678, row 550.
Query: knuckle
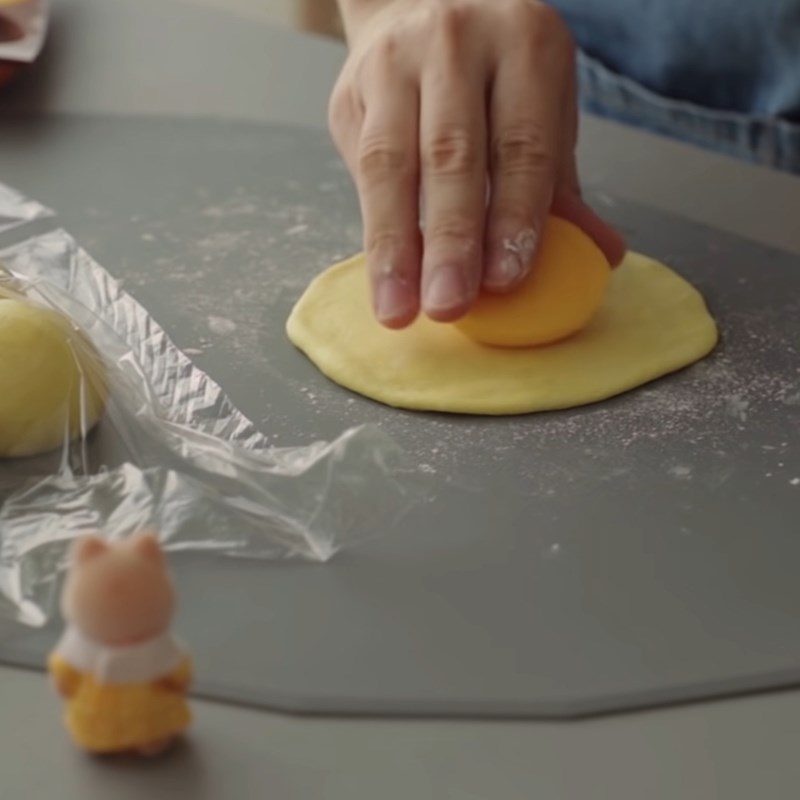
column 451, row 151
column 448, row 24
column 452, row 17
column 381, row 61
column 543, row 25
column 382, row 240
column 385, row 48
column 523, row 150
column 341, row 109
column 452, row 227
column 336, row 117
column 380, row 158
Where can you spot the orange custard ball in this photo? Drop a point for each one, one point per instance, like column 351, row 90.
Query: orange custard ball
column 565, row 287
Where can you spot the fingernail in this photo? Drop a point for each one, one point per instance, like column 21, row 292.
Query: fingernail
column 392, row 300
column 512, row 260
column 446, row 288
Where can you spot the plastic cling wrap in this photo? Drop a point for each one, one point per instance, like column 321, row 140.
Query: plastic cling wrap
column 17, row 210
column 169, row 451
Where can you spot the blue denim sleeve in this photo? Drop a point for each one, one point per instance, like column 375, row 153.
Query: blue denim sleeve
column 720, row 73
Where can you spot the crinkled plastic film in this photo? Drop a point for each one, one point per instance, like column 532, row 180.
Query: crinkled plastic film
column 169, row 452
column 17, row 210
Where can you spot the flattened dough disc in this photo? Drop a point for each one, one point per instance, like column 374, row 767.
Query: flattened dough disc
column 652, row 322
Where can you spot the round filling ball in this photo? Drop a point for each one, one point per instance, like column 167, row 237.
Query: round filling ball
column 565, row 287
column 52, row 385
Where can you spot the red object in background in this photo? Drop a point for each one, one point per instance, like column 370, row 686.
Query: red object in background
column 9, row 32
column 8, row 71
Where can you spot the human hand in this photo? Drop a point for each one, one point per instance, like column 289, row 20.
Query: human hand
column 439, row 103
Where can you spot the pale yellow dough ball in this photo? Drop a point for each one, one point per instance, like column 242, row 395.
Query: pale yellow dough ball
column 43, row 396
column 566, row 286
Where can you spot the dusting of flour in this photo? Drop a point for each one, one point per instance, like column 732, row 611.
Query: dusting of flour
column 232, row 265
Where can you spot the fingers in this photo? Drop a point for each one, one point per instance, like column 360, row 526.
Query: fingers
column 374, row 122
column 528, row 122
column 453, row 156
column 410, row 118
column 387, row 178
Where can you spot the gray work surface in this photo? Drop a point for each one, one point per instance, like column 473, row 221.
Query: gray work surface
column 637, row 551
column 733, row 749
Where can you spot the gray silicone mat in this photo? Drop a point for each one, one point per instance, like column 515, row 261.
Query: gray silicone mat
column 638, row 551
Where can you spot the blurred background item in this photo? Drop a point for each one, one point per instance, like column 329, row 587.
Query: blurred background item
column 318, row 16
column 23, row 28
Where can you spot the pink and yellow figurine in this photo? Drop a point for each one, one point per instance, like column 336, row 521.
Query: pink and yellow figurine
column 122, row 674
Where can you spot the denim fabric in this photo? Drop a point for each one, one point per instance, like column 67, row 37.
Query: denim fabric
column 772, row 142
column 723, row 74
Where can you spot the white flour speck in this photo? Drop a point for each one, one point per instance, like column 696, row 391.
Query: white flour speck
column 702, row 408
column 553, row 551
column 605, row 199
column 795, row 481
column 221, row 243
column 221, row 325
column 296, row 229
column 148, row 237
column 234, row 207
column 737, row 407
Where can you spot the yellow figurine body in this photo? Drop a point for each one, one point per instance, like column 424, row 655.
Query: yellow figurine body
column 122, row 674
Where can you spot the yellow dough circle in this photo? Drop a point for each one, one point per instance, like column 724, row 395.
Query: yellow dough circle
column 651, row 322
column 51, row 380
column 564, row 289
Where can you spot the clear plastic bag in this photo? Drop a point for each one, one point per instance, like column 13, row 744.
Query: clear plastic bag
column 169, row 452
column 17, row 210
